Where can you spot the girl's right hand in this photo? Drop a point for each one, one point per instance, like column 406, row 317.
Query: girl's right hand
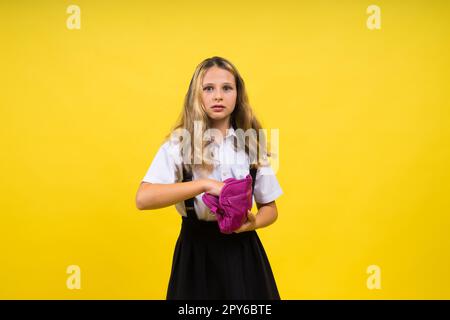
column 213, row 186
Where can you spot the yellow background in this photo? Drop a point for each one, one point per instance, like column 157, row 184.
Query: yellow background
column 364, row 141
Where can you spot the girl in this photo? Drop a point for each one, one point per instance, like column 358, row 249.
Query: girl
column 208, row 264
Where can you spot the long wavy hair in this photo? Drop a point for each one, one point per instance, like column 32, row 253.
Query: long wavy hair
column 242, row 117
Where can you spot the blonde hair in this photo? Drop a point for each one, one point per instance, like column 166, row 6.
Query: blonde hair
column 242, row 116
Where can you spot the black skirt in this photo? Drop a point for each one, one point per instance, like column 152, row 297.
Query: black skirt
column 208, row 264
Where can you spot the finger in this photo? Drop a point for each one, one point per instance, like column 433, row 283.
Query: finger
column 243, row 227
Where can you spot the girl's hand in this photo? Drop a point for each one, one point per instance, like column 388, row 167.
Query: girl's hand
column 249, row 225
column 213, row 186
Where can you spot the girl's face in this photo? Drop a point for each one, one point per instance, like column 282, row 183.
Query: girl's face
column 218, row 93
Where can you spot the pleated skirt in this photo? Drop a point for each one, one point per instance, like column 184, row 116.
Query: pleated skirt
column 210, row 265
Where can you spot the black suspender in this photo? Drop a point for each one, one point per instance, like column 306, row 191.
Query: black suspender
column 253, row 174
column 189, row 203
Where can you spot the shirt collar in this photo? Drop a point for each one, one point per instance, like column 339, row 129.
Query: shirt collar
column 231, row 132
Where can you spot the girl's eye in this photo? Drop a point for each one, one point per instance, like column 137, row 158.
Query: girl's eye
column 227, row 88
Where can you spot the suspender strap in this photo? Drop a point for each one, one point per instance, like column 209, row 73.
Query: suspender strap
column 253, row 174
column 189, row 203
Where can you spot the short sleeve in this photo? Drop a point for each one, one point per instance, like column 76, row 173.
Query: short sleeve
column 163, row 168
column 267, row 188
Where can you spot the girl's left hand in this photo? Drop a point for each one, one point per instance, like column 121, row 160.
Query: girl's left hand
column 249, row 225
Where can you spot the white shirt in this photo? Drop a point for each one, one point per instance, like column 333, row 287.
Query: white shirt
column 166, row 168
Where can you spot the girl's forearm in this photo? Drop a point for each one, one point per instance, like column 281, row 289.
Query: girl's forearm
column 267, row 214
column 154, row 195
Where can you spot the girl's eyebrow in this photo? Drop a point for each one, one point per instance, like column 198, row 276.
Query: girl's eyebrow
column 208, row 84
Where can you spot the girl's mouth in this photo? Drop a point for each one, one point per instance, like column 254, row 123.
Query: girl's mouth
column 218, row 108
